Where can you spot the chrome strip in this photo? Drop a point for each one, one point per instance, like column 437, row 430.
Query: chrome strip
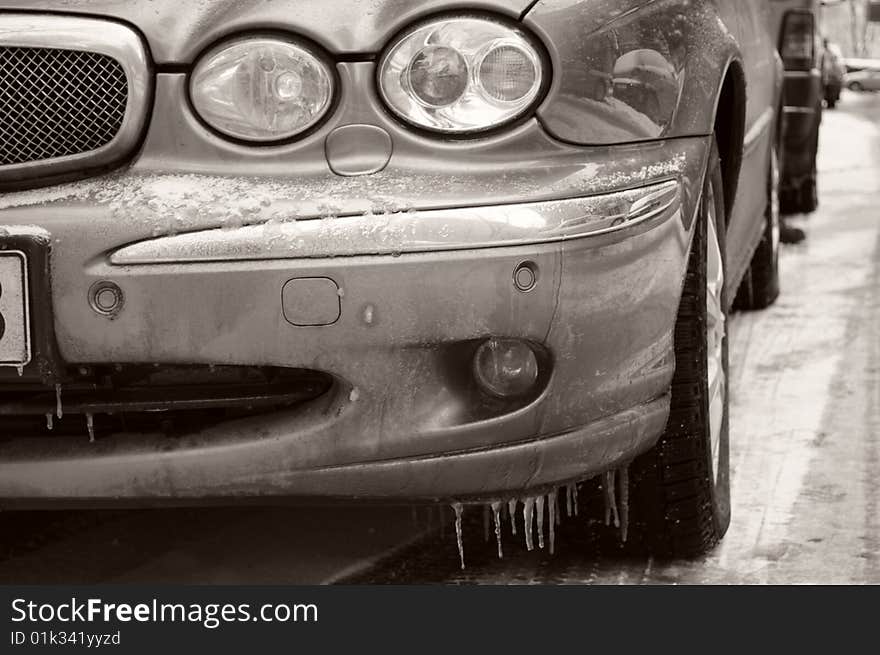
column 799, row 75
column 87, row 35
column 411, row 232
column 758, row 130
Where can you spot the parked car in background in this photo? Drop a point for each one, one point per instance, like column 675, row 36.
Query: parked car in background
column 833, row 73
column 863, row 75
column 795, row 24
column 421, row 253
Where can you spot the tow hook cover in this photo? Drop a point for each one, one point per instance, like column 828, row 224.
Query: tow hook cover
column 311, row 301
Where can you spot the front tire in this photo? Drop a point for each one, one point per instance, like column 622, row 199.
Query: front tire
column 681, row 487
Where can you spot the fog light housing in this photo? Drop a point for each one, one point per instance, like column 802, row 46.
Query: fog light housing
column 505, row 368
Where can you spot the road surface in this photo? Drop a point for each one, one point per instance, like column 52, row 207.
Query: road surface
column 805, row 440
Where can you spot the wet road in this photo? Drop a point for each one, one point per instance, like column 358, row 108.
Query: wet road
column 805, row 440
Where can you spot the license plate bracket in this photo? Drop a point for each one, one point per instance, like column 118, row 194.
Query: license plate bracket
column 15, row 333
column 30, row 248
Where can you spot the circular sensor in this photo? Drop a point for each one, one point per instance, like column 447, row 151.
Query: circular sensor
column 525, row 277
column 106, row 298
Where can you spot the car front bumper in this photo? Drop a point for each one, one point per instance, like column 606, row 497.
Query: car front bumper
column 416, row 292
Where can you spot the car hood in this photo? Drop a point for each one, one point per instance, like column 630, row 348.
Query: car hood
column 177, row 31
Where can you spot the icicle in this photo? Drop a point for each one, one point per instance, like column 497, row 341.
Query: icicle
column 90, row 424
column 528, row 512
column 568, row 500
column 59, row 412
column 556, row 514
column 624, row 503
column 459, row 510
column 49, row 422
column 553, row 508
column 496, row 513
column 485, row 524
column 574, row 497
column 610, row 500
column 20, row 370
column 539, row 510
column 511, row 508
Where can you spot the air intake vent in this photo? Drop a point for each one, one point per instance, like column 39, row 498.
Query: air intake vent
column 55, row 103
column 74, row 97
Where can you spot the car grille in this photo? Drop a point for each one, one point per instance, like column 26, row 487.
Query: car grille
column 55, row 103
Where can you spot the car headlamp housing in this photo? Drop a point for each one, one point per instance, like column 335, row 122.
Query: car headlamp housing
column 261, row 89
column 462, row 75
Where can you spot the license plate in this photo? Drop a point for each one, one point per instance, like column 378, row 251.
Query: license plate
column 15, row 346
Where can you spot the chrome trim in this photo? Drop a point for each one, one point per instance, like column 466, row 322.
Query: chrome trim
column 410, row 232
column 758, row 129
column 86, row 35
column 799, row 75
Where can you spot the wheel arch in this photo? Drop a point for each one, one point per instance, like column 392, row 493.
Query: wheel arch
column 729, row 128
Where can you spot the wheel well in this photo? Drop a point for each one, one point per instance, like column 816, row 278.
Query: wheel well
column 730, row 118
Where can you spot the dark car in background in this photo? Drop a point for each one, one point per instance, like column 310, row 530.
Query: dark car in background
column 801, row 47
column 428, row 252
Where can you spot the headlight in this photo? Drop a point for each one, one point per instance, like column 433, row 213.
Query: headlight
column 261, row 89
column 461, row 75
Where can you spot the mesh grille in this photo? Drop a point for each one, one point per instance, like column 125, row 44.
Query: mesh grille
column 57, row 102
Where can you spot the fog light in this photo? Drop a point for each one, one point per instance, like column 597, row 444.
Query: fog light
column 505, row 367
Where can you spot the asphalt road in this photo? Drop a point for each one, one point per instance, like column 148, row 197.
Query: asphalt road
column 805, row 440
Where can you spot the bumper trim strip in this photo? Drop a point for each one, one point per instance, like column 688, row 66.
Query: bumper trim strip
column 411, row 232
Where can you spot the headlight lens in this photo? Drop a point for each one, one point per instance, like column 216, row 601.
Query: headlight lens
column 461, row 75
column 261, row 89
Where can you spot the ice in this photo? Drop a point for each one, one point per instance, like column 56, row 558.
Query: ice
column 624, row 502
column 539, row 510
column 528, row 514
column 553, row 509
column 496, row 513
column 511, row 509
column 459, row 510
column 49, row 422
column 611, row 514
column 90, row 425
column 59, row 411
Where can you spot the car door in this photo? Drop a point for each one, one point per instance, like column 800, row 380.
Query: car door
column 761, row 72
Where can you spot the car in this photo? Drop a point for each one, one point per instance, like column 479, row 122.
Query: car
column 864, row 78
column 426, row 253
column 834, row 73
column 795, row 22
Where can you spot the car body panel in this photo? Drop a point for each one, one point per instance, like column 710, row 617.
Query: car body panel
column 178, row 32
column 422, row 275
